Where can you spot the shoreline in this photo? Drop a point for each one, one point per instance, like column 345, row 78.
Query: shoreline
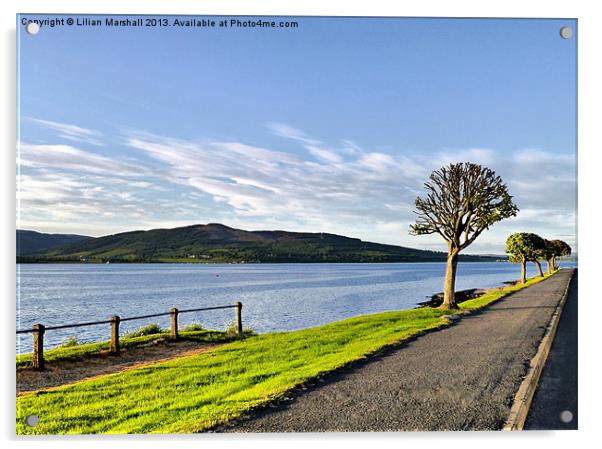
column 463, row 295
column 325, row 262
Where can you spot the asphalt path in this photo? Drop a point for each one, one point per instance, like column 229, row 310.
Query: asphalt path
column 460, row 378
column 554, row 405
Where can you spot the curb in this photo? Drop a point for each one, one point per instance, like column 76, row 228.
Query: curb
column 522, row 400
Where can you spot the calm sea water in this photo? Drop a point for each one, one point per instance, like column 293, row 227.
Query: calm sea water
column 275, row 297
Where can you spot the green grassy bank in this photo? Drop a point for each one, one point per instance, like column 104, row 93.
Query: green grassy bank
column 90, row 349
column 195, row 393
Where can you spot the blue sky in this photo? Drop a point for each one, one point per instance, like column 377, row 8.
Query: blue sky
column 332, row 126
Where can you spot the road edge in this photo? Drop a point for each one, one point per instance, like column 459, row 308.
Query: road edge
column 524, row 396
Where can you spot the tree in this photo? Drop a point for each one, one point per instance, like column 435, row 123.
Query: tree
column 539, row 254
column 463, row 200
column 559, row 249
column 548, row 255
column 524, row 247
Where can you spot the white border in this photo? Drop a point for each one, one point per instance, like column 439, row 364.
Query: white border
column 590, row 33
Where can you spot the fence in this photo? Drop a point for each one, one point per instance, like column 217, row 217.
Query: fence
column 38, row 329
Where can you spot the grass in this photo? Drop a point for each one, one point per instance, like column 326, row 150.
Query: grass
column 194, row 326
column 496, row 295
column 70, row 342
column 196, row 393
column 90, row 349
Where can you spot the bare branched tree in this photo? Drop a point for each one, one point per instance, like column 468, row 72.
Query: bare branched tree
column 463, row 200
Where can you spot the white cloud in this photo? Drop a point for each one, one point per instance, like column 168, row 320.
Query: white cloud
column 71, row 132
column 261, row 182
column 313, row 146
column 66, row 157
column 365, row 194
column 289, row 132
column 359, row 193
column 325, row 155
column 65, row 188
column 379, row 163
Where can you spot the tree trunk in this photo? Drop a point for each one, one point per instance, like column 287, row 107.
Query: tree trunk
column 523, row 271
column 538, row 267
column 550, row 266
column 449, row 300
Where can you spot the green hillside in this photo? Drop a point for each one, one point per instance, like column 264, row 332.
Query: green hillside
column 216, row 243
column 30, row 242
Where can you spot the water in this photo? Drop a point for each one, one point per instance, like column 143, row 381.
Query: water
column 275, row 297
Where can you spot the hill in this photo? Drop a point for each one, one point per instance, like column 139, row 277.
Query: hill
column 31, row 242
column 216, row 243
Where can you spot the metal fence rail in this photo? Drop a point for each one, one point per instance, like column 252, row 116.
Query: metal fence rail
column 38, row 329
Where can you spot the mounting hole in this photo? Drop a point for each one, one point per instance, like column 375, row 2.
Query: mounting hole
column 566, row 32
column 566, row 416
column 32, row 28
column 32, row 420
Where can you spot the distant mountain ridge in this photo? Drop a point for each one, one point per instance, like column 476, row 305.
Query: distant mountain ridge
column 217, row 243
column 30, row 242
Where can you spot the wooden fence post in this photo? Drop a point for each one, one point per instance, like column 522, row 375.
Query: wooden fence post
column 239, row 318
column 114, row 348
column 173, row 312
column 38, row 346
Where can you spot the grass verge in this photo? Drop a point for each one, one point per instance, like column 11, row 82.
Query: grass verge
column 196, row 393
column 496, row 295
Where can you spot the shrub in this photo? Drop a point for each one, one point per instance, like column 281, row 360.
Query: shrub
column 194, row 326
column 232, row 330
column 70, row 342
column 149, row 329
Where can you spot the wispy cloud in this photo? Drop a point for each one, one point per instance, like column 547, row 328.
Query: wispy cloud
column 351, row 191
column 67, row 157
column 82, row 191
column 313, row 146
column 265, row 183
column 325, row 155
column 365, row 193
column 290, row 132
column 70, row 132
column 66, row 201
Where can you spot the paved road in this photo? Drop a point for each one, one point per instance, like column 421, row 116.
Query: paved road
column 557, row 389
column 460, row 378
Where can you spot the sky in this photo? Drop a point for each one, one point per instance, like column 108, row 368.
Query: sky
column 331, row 126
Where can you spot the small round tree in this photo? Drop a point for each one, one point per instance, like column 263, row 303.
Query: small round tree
column 560, row 249
column 525, row 247
column 548, row 255
column 539, row 255
column 463, row 200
